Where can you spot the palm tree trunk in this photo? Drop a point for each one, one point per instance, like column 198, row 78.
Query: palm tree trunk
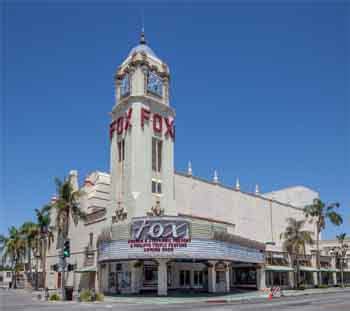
column 43, row 263
column 297, row 272
column 15, row 276
column 30, row 266
column 36, row 273
column 64, row 259
column 318, row 255
column 341, row 272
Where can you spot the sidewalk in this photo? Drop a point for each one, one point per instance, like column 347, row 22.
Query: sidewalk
column 224, row 298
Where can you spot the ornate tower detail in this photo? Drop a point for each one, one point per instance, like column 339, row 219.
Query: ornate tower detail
column 189, row 169
column 238, row 186
column 142, row 135
column 257, row 190
column 216, row 177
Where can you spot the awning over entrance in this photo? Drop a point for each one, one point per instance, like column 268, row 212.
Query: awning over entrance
column 86, row 269
column 328, row 270
column 279, row 268
column 309, row 269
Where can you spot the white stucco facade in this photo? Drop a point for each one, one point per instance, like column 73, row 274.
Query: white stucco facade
column 229, row 231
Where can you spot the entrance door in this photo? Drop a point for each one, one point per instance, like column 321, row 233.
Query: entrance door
column 92, row 280
column 150, row 276
column 220, row 281
column 59, row 280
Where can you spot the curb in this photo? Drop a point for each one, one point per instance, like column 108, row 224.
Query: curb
column 218, row 301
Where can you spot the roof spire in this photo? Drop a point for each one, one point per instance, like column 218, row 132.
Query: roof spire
column 189, row 170
column 238, row 186
column 142, row 38
column 257, row 190
column 216, row 177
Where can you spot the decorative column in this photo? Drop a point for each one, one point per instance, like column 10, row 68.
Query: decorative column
column 291, row 274
column 314, row 265
column 334, row 268
column 192, row 278
column 135, row 276
column 227, row 278
column 260, row 277
column 97, row 278
column 162, row 277
column 212, row 277
column 233, row 280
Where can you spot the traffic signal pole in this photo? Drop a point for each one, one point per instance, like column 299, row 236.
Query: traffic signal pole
column 63, row 279
column 65, row 252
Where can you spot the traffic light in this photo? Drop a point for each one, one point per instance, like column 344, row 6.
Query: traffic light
column 66, row 249
column 70, row 267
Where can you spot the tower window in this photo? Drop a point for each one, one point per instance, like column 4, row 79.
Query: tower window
column 91, row 239
column 121, row 150
column 156, row 186
column 156, row 154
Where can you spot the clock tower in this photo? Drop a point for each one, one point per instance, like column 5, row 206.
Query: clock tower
column 142, row 135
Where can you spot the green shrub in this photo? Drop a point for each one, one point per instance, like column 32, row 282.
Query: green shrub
column 100, row 297
column 323, row 286
column 55, row 297
column 85, row 295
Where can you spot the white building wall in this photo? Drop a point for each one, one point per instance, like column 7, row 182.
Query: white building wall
column 96, row 197
column 254, row 216
column 298, row 196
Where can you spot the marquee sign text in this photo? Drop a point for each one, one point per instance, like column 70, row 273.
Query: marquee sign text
column 159, row 235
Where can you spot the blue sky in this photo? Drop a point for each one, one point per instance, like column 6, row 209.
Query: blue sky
column 261, row 93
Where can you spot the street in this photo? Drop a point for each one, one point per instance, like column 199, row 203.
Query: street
column 20, row 300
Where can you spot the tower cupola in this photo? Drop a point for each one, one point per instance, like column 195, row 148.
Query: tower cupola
column 142, row 73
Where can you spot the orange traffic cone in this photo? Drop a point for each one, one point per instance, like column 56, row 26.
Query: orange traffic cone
column 269, row 297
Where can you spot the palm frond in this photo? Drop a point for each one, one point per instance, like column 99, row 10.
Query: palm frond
column 335, row 218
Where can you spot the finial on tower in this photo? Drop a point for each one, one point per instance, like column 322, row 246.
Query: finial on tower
column 189, row 169
column 257, row 191
column 143, row 39
column 238, row 186
column 216, row 177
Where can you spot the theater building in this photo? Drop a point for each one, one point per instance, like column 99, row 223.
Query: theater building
column 150, row 228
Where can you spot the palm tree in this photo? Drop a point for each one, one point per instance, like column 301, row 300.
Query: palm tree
column 341, row 253
column 45, row 237
column 67, row 206
column 13, row 247
column 29, row 232
column 295, row 240
column 319, row 212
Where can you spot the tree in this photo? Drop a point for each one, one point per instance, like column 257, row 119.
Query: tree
column 295, row 241
column 319, row 212
column 67, row 206
column 29, row 232
column 341, row 251
column 13, row 247
column 45, row 237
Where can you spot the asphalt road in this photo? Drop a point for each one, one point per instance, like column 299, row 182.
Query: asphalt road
column 21, row 300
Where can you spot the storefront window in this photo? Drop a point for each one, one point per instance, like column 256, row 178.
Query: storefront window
column 306, row 278
column 198, row 278
column 326, row 277
column 277, row 278
column 185, row 278
column 150, row 275
column 246, row 276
